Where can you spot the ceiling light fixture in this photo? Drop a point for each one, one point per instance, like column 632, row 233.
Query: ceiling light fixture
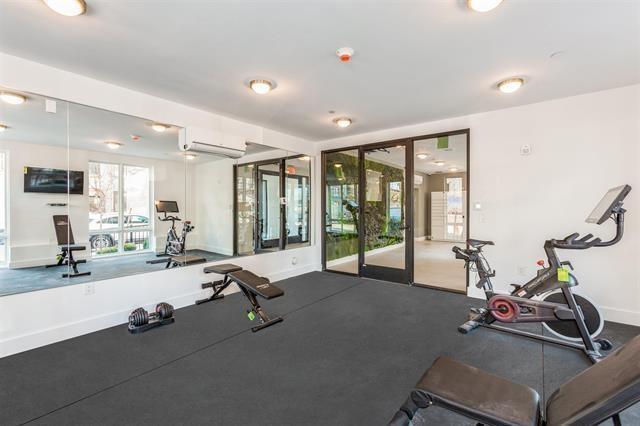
column 12, row 98
column 510, row 85
column 422, row 155
column 190, row 156
column 453, row 169
column 113, row 144
column 3, row 127
column 343, row 122
column 67, row 7
column 439, row 163
column 483, row 5
column 305, row 158
column 337, row 165
column 159, row 127
column 261, row 87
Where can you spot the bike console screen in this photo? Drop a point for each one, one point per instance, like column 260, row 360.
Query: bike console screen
column 607, row 204
column 166, row 207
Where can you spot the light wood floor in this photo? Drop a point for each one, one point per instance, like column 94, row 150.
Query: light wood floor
column 434, row 264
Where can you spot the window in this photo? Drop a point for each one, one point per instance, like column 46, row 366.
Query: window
column 119, row 208
column 3, row 209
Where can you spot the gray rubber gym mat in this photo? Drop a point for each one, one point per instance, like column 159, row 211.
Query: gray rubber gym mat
column 348, row 352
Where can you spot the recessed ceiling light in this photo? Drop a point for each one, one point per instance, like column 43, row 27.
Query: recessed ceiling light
column 453, row 169
column 439, row 163
column 12, row 98
column 343, row 122
column 510, row 85
column 190, row 156
column 423, row 155
column 483, row 5
column 261, row 87
column 113, row 144
column 159, row 127
column 3, row 127
column 67, row 7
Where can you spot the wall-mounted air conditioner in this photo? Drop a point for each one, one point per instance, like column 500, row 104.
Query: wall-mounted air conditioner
column 206, row 141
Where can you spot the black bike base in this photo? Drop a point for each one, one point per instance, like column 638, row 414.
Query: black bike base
column 76, row 274
column 267, row 324
column 142, row 328
column 153, row 262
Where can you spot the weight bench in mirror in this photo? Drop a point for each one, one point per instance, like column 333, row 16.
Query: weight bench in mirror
column 67, row 245
column 597, row 394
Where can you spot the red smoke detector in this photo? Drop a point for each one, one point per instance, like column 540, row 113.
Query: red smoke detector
column 345, row 54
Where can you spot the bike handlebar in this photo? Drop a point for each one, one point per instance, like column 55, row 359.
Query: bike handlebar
column 571, row 242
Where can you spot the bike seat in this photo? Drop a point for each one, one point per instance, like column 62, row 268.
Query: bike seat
column 478, row 243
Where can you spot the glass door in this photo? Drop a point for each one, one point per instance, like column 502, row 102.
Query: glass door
column 269, row 211
column 386, row 214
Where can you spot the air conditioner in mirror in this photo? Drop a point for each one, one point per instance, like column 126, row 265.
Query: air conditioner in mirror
column 204, row 141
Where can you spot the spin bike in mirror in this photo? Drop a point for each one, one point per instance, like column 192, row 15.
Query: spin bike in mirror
column 548, row 298
column 175, row 246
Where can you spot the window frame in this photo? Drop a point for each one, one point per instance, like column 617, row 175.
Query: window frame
column 121, row 229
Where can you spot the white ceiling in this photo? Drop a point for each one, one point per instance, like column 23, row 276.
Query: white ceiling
column 415, row 61
column 88, row 129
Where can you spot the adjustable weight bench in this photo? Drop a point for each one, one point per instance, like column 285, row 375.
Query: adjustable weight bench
column 67, row 245
column 599, row 393
column 251, row 286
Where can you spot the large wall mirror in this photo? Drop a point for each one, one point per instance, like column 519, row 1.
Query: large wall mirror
column 88, row 194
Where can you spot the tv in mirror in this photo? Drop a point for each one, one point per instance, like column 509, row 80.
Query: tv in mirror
column 53, row 181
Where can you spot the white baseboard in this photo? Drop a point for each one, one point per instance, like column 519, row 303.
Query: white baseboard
column 213, row 249
column 623, row 316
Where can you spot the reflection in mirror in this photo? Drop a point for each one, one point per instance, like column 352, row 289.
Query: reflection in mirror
column 440, row 206
column 83, row 183
column 38, row 185
column 342, row 209
column 298, row 196
column 272, row 201
column 122, row 195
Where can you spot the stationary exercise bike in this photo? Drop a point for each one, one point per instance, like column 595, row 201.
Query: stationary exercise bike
column 175, row 245
column 548, row 298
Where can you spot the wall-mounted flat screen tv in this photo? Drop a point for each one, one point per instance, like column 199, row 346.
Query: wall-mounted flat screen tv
column 53, row 181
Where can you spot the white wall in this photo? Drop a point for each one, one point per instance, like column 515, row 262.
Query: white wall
column 66, row 312
column 582, row 146
column 214, row 206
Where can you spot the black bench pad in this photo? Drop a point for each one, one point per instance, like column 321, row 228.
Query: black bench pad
column 222, row 269
column 256, row 284
column 72, row 247
column 477, row 394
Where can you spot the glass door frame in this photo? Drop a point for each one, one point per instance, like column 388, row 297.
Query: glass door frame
column 384, row 272
column 283, row 240
column 409, row 219
column 259, row 205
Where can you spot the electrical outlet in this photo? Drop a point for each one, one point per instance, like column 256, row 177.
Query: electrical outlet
column 89, row 289
column 525, row 150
